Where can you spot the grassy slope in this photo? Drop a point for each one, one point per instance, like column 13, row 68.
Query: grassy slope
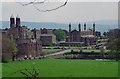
column 64, row 68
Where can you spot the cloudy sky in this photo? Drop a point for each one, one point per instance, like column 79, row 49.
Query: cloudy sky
column 72, row 12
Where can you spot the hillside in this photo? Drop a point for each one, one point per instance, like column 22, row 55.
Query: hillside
column 100, row 25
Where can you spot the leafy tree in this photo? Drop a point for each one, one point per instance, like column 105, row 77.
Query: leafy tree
column 60, row 34
column 114, row 46
column 8, row 48
column 105, row 34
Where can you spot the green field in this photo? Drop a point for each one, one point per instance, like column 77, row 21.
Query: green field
column 0, row 70
column 63, row 68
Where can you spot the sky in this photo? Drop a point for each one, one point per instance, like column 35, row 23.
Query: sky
column 73, row 12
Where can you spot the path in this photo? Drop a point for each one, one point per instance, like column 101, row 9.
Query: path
column 58, row 53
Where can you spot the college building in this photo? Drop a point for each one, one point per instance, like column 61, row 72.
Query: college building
column 86, row 37
column 26, row 42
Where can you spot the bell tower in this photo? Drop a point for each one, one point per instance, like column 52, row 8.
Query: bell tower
column 17, row 21
column 12, row 21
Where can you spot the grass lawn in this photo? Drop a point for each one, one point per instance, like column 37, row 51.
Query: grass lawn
column 0, row 70
column 63, row 68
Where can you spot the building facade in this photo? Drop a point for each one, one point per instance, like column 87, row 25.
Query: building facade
column 86, row 37
column 45, row 35
column 27, row 43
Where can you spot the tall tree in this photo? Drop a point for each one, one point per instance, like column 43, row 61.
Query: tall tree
column 60, row 34
column 114, row 46
column 8, row 48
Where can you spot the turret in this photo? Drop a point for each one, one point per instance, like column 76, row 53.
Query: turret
column 93, row 28
column 84, row 26
column 17, row 21
column 12, row 21
column 69, row 32
column 79, row 26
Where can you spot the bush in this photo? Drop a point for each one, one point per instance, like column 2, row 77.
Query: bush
column 81, row 51
column 92, row 51
column 4, row 61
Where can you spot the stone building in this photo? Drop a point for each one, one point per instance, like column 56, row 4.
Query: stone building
column 27, row 43
column 85, row 37
column 48, row 39
column 46, row 31
column 45, row 35
column 31, row 48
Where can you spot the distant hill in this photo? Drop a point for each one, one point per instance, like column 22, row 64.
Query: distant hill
column 100, row 25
